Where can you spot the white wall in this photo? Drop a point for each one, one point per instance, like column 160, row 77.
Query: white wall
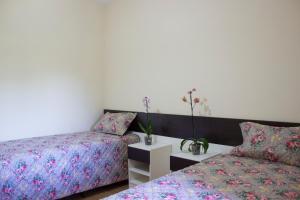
column 55, row 56
column 50, row 66
column 244, row 56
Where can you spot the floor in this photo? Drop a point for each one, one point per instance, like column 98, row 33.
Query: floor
column 100, row 193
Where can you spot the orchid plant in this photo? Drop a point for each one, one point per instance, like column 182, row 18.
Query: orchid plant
column 148, row 127
column 193, row 102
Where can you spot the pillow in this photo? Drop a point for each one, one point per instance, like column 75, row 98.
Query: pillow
column 280, row 144
column 114, row 123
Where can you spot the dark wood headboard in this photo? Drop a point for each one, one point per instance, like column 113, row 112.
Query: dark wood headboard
column 217, row 130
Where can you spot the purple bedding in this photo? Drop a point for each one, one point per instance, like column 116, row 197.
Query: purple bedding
column 223, row 177
column 57, row 166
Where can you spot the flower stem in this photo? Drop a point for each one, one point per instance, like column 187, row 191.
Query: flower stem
column 147, row 113
column 192, row 110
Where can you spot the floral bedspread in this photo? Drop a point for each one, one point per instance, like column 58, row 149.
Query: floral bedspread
column 57, row 166
column 223, row 177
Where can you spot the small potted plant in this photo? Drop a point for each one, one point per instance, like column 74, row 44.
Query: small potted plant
column 197, row 143
column 147, row 129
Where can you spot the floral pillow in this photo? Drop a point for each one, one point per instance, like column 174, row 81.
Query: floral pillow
column 114, row 123
column 280, row 144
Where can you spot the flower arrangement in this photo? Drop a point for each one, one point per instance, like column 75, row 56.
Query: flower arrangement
column 197, row 143
column 147, row 129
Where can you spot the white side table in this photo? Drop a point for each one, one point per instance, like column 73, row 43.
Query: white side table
column 146, row 163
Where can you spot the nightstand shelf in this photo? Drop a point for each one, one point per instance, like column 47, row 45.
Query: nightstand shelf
column 136, row 178
column 146, row 163
column 140, row 171
column 135, row 182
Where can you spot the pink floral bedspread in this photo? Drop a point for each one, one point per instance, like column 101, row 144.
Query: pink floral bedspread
column 223, row 177
column 57, row 166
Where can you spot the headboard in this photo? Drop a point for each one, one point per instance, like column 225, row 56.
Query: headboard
column 224, row 131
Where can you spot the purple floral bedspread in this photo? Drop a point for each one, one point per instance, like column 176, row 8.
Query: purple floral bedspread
column 223, row 177
column 57, row 166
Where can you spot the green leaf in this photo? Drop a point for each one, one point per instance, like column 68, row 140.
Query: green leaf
column 205, row 144
column 142, row 127
column 149, row 128
column 190, row 150
column 146, row 129
column 183, row 143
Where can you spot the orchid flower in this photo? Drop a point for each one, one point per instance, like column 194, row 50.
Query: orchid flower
column 192, row 103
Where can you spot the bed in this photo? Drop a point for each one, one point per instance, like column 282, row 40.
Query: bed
column 57, row 166
column 265, row 166
column 222, row 177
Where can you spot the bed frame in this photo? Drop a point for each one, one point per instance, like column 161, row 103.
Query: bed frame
column 224, row 131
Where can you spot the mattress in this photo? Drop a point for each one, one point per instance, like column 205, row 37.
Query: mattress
column 57, row 166
column 222, row 177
